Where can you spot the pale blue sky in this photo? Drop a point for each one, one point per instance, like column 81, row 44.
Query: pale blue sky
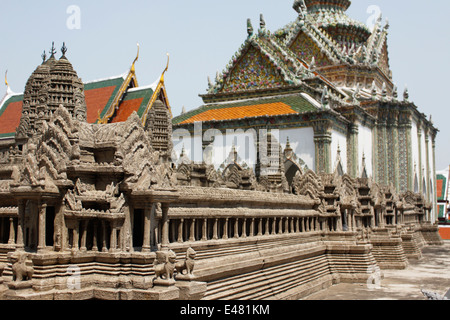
column 201, row 37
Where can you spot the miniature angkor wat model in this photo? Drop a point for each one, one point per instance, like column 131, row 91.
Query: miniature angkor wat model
column 94, row 204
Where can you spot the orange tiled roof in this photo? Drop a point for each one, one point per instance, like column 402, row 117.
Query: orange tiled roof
column 270, row 109
column 10, row 118
column 126, row 109
column 96, row 100
column 440, row 188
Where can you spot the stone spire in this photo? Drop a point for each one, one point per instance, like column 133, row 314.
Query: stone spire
column 52, row 84
column 328, row 5
column 331, row 16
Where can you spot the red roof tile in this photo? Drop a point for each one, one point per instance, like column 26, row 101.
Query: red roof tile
column 96, row 100
column 126, row 109
column 10, row 119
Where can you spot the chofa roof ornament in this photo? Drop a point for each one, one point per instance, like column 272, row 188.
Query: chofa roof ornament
column 300, row 7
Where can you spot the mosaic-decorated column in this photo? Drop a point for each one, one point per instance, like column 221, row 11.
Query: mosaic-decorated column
column 404, row 152
column 352, row 151
column 322, row 141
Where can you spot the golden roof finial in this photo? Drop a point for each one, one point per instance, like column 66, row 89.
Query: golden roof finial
column 167, row 67
column 133, row 68
column 6, row 78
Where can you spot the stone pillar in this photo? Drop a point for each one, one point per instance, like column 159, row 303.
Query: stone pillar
column 165, row 227
column 225, row 230
column 252, row 227
column 259, row 227
column 274, row 226
column 12, row 234
column 280, row 226
column 104, row 248
column 236, row 228
column 75, row 237
column 113, row 238
column 83, row 235
column 192, row 231
column 42, row 214
column 244, row 228
column 205, row 230
column 94, row 239
column 215, row 229
column 286, row 225
column 266, row 233
column 146, row 245
column 180, row 231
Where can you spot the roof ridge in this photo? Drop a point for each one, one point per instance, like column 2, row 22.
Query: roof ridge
column 123, row 75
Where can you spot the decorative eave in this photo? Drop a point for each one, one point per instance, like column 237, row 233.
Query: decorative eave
column 325, row 43
column 289, row 67
column 129, row 82
column 159, row 90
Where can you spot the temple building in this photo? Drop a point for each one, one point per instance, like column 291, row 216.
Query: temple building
column 104, row 195
column 324, row 83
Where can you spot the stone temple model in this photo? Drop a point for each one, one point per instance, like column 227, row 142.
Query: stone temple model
column 99, row 200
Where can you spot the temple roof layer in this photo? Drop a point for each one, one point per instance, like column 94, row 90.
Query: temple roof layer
column 281, row 105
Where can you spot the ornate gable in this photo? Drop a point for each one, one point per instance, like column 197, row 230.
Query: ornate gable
column 252, row 71
column 307, row 50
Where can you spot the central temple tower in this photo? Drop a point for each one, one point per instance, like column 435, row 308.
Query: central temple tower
column 54, row 83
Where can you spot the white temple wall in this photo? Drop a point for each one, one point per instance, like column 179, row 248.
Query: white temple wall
column 415, row 153
column 423, row 169
column 302, row 142
column 365, row 148
column 338, row 142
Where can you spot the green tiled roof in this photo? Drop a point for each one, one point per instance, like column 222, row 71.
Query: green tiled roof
column 297, row 102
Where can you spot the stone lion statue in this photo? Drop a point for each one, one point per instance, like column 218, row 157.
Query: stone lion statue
column 165, row 265
column 188, row 264
column 22, row 272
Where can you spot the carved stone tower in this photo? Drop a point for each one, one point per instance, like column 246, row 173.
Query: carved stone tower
column 52, row 84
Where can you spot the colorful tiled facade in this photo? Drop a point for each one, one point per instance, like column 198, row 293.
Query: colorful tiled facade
column 339, row 70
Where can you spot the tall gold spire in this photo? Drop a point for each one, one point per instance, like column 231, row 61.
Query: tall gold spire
column 167, row 67
column 133, row 68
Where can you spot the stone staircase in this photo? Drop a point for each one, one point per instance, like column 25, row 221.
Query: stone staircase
column 275, row 282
